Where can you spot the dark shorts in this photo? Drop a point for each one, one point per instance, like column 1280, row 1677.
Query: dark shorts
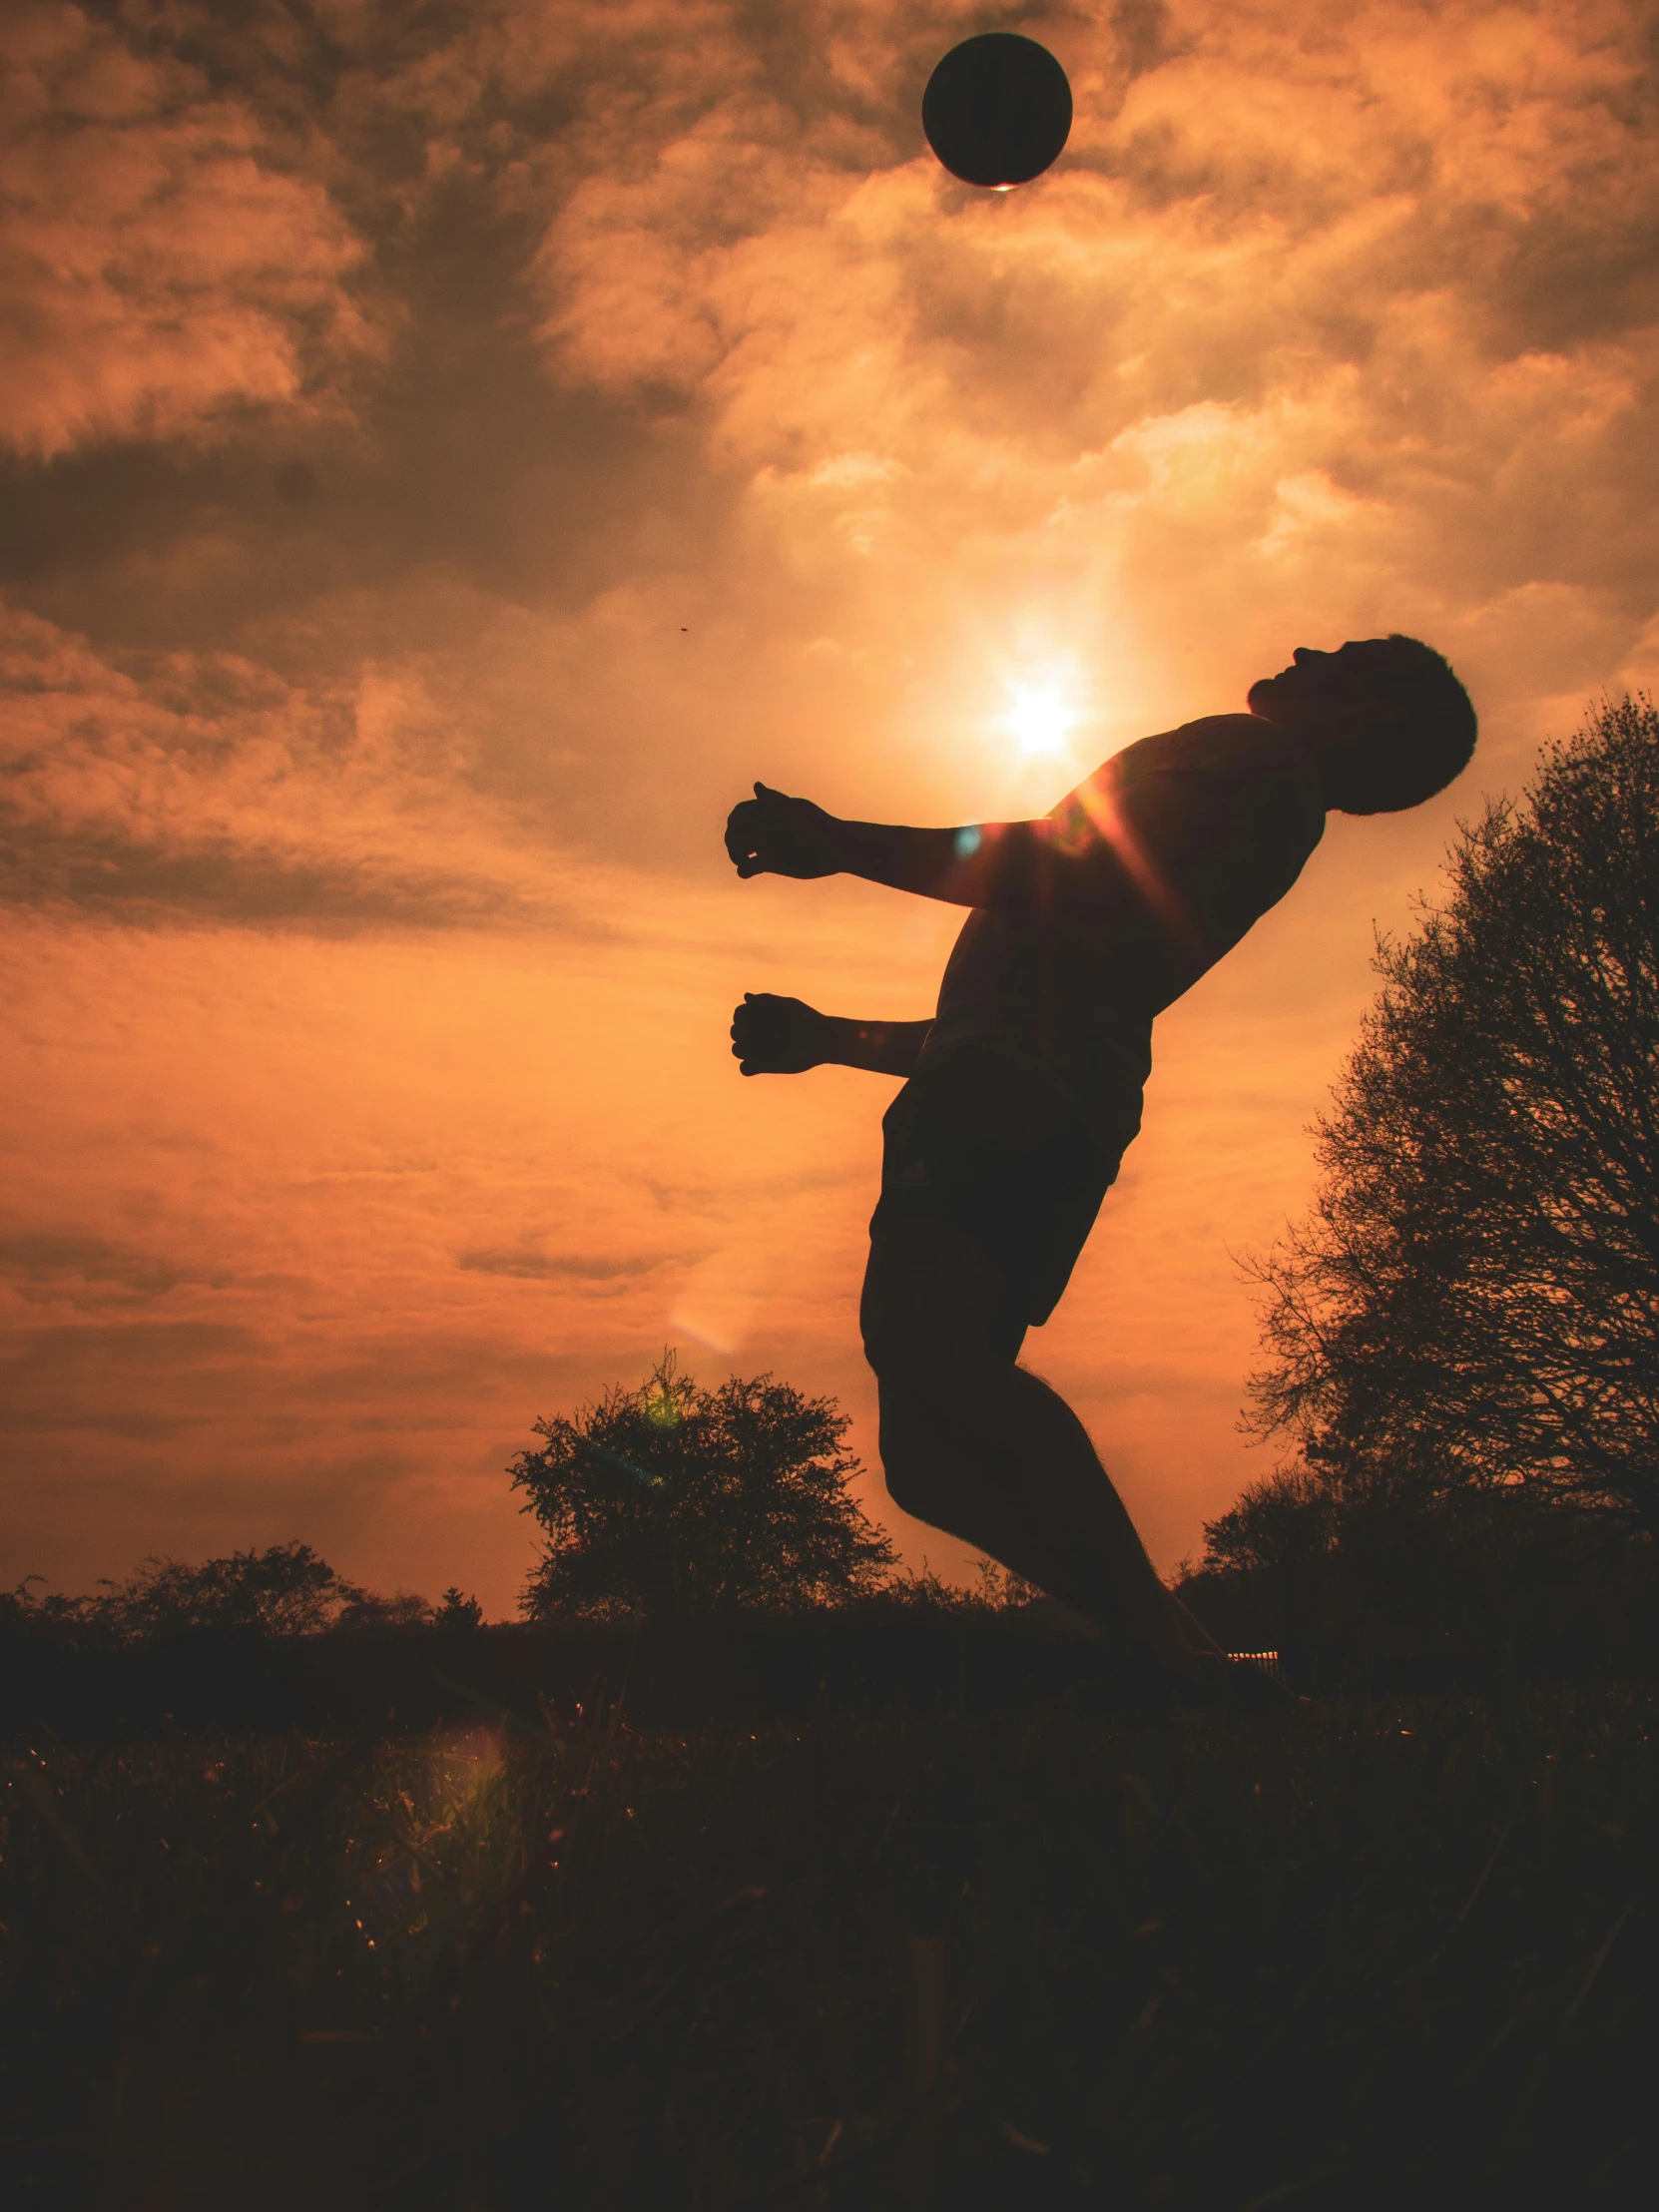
column 988, row 1143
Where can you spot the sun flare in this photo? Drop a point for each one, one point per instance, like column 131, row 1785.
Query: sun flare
column 1039, row 718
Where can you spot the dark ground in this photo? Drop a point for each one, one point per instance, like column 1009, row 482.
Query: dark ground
column 871, row 1929
column 1337, row 1633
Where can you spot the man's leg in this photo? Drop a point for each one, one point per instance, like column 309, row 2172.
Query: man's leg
column 977, row 1445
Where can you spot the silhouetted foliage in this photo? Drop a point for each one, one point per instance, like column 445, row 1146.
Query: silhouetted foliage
column 367, row 1609
column 457, row 1614
column 1285, row 1520
column 47, row 1616
column 669, row 1498
column 1473, row 1305
column 1001, row 1588
column 284, row 1590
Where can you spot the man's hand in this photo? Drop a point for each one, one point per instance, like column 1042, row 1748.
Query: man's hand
column 769, row 835
column 778, row 1036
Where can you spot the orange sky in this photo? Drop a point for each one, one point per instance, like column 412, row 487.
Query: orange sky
column 448, row 455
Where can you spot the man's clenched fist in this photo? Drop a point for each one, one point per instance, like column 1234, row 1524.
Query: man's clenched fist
column 771, row 835
column 778, row 1036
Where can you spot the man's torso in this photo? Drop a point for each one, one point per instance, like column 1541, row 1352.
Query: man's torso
column 1157, row 865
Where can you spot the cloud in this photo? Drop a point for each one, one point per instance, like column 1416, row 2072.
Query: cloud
column 48, row 1265
column 101, row 870
column 528, row 1263
column 201, row 787
column 159, row 265
column 94, row 1376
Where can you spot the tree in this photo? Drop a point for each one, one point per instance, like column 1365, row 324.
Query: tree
column 1473, row 1304
column 1280, row 1524
column 669, row 1498
column 457, row 1614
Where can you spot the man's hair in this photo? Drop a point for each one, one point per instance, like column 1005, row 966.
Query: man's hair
column 1427, row 738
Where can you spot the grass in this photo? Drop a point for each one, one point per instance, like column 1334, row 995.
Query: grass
column 1329, row 1956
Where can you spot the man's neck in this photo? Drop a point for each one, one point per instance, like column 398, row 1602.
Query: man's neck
column 1317, row 746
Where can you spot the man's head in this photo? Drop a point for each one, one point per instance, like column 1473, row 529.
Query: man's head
column 1391, row 723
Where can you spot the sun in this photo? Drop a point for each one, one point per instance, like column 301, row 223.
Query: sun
column 1039, row 718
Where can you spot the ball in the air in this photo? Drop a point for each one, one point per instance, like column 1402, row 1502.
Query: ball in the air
column 998, row 110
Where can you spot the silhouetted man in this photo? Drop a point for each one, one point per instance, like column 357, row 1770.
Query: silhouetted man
column 1024, row 1089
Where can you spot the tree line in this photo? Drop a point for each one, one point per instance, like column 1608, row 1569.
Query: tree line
column 281, row 1590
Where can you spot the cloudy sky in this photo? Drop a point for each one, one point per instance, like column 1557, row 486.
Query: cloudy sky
column 449, row 450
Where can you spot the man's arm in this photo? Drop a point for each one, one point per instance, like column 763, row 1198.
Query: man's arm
column 772, row 834
column 784, row 1037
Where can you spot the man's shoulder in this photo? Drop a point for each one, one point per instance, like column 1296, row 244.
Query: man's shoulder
column 1225, row 783
column 1217, row 745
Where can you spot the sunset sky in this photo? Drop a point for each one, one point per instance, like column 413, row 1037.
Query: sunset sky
column 451, row 451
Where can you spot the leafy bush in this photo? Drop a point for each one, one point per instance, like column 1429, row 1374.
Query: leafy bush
column 668, row 1498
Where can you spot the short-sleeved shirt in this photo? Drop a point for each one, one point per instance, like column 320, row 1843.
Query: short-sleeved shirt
column 1131, row 888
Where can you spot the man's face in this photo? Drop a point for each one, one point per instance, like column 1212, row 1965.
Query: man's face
column 1318, row 684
